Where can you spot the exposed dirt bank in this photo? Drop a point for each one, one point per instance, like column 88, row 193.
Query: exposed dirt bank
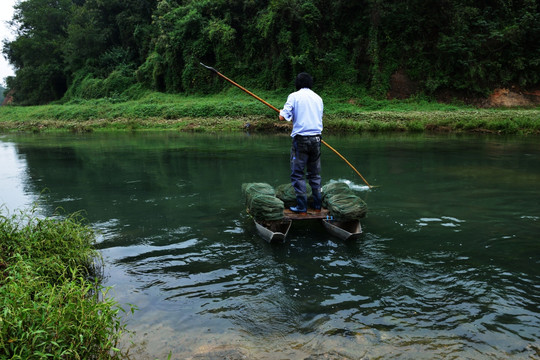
column 402, row 87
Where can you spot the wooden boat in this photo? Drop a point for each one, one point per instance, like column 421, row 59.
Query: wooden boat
column 274, row 231
column 310, row 214
column 345, row 230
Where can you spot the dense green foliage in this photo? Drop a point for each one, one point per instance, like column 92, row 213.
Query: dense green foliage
column 52, row 306
column 2, row 90
column 90, row 49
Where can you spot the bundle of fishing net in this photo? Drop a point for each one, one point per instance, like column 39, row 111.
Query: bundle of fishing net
column 261, row 201
column 287, row 194
column 335, row 188
column 342, row 202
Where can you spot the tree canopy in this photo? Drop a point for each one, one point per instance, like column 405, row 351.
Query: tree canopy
column 99, row 48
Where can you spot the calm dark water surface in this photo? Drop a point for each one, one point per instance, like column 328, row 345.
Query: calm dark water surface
column 448, row 266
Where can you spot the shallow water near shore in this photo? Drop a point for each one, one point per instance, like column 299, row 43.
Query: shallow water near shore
column 448, row 265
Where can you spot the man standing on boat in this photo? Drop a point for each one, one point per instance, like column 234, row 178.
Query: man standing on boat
column 305, row 109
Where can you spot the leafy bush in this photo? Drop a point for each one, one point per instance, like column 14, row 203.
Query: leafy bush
column 52, row 303
column 465, row 47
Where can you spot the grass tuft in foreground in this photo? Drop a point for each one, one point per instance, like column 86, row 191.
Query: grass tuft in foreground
column 51, row 302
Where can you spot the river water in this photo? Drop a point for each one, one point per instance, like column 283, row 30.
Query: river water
column 448, row 265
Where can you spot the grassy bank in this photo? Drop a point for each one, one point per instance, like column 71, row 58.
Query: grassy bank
column 52, row 304
column 235, row 111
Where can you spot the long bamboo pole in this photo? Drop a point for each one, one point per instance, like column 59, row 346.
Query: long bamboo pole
column 277, row 110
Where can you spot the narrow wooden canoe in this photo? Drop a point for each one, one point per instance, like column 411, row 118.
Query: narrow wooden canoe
column 345, row 230
column 274, row 231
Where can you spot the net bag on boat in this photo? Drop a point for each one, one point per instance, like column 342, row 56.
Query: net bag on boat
column 334, row 188
column 287, row 194
column 261, row 201
column 346, row 206
column 342, row 203
column 250, row 189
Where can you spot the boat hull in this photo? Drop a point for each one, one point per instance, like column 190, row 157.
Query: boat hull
column 274, row 231
column 345, row 230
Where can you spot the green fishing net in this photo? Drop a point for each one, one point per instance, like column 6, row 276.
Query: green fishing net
column 265, row 203
column 261, row 201
column 334, row 188
column 250, row 189
column 287, row 194
column 342, row 202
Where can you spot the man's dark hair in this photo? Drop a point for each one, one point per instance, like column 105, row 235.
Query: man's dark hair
column 303, row 80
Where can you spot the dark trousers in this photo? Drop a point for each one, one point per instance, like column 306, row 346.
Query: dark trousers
column 306, row 155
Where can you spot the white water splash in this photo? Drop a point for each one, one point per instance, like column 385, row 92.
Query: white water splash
column 352, row 185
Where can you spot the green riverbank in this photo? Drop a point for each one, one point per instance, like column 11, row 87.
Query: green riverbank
column 231, row 112
column 51, row 300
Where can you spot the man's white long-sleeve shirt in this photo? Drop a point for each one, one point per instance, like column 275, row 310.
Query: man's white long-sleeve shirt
column 305, row 108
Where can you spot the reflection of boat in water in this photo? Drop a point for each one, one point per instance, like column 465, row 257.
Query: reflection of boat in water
column 275, row 231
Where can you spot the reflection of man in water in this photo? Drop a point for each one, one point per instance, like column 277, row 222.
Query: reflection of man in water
column 305, row 108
